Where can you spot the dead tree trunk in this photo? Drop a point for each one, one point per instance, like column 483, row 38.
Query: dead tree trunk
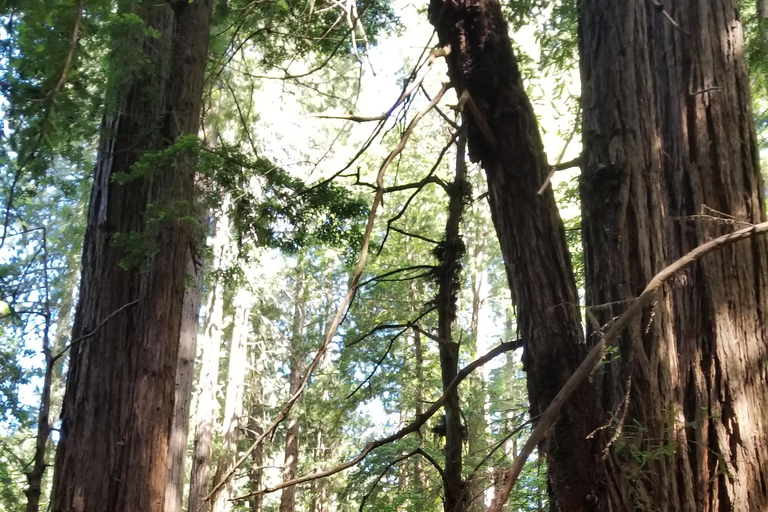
column 668, row 135
column 504, row 138
column 119, row 399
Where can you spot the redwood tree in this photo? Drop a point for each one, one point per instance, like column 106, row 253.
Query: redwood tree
column 503, row 136
column 120, row 387
column 668, row 135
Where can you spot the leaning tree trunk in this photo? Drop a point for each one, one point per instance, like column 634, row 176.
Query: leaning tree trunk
column 504, row 138
column 119, row 399
column 668, row 135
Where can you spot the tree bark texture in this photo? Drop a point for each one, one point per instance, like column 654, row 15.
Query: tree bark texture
column 119, row 399
column 185, row 373
column 291, row 457
column 504, row 138
column 668, row 135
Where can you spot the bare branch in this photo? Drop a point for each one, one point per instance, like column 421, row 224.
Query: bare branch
column 340, row 313
column 417, row 451
column 95, row 331
column 408, row 429
column 550, row 415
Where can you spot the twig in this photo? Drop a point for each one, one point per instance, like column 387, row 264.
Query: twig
column 378, row 363
column 557, row 165
column 93, row 332
column 594, row 356
column 417, row 451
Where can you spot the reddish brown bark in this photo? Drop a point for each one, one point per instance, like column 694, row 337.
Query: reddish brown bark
column 504, row 138
column 119, row 399
column 668, row 134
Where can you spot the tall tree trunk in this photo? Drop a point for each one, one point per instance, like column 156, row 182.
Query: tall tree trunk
column 296, row 354
column 321, row 499
column 119, row 399
column 418, row 353
column 207, row 404
column 233, row 404
column 668, row 135
column 451, row 251
column 210, row 352
column 504, row 138
column 256, row 472
column 185, row 373
column 476, row 422
column 49, row 400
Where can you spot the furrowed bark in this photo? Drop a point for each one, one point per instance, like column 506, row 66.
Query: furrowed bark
column 668, row 135
column 119, row 399
column 504, row 138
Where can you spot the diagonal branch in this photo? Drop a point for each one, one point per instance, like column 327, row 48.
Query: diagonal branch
column 550, row 415
column 408, row 429
column 417, row 451
column 340, row 313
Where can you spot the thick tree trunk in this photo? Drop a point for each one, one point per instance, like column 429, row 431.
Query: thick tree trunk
column 185, row 373
column 119, row 400
column 296, row 354
column 504, row 138
column 233, row 405
column 668, row 135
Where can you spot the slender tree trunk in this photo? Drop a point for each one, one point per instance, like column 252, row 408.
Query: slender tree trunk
column 49, row 400
column 504, row 138
column 119, row 400
column 207, row 403
column 296, row 354
column 256, row 472
column 185, row 373
column 476, row 423
column 321, row 499
column 233, row 405
column 451, row 251
column 418, row 352
column 668, row 135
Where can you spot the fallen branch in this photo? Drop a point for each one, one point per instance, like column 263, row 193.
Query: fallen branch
column 550, row 415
